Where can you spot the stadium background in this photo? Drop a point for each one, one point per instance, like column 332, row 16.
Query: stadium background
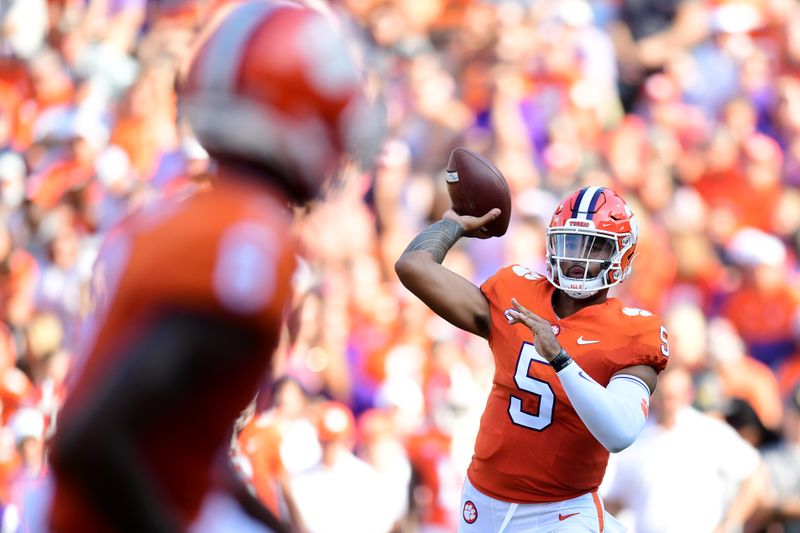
column 690, row 110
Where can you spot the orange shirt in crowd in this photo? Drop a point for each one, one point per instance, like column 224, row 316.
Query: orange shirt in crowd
column 748, row 205
column 656, row 269
column 754, row 382
column 765, row 320
column 47, row 188
column 135, row 135
column 260, row 442
column 17, row 287
column 789, row 375
column 429, row 454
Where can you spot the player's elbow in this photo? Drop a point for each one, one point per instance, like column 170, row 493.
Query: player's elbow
column 624, row 436
column 402, row 266
column 408, row 267
column 618, row 444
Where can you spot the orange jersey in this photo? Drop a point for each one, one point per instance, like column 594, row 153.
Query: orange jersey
column 532, row 446
column 225, row 253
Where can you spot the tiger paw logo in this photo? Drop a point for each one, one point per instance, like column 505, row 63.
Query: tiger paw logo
column 470, row 512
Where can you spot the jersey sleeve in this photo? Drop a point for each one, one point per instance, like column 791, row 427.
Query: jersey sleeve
column 489, row 288
column 651, row 344
column 495, row 285
column 641, row 339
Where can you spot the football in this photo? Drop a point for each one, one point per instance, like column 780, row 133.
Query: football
column 476, row 186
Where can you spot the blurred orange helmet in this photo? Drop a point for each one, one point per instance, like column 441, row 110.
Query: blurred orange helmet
column 275, row 85
column 336, row 422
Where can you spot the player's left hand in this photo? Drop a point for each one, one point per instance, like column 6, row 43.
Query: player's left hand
column 543, row 336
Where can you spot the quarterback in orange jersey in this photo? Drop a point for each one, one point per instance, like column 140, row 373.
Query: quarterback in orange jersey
column 574, row 369
column 194, row 290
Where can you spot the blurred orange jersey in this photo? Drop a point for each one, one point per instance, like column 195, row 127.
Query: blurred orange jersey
column 226, row 253
column 532, row 446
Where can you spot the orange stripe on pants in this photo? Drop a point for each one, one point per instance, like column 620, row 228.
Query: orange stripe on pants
column 599, row 506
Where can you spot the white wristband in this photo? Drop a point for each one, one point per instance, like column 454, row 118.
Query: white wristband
column 615, row 414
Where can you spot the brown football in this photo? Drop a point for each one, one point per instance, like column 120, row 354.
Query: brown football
column 476, row 187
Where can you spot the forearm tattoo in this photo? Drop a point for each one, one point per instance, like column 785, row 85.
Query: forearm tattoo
column 437, row 239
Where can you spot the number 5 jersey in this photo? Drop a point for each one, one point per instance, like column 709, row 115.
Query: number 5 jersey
column 532, row 446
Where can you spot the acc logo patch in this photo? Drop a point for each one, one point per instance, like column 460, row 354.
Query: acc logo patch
column 470, row 512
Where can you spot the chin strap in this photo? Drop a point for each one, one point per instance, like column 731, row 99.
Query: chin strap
column 580, row 295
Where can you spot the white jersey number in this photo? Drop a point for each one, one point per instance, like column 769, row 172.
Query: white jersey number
column 664, row 342
column 542, row 419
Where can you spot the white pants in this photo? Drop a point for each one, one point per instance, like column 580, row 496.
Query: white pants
column 221, row 513
column 483, row 514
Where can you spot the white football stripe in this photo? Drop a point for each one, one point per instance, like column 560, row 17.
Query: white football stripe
column 586, row 201
column 224, row 54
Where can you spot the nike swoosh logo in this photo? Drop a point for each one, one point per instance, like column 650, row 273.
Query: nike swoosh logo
column 565, row 516
column 584, row 376
column 581, row 340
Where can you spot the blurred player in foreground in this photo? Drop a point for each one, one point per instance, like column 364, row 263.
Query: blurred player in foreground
column 195, row 290
column 574, row 369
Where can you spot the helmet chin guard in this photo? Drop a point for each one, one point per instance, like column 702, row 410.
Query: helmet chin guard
column 580, row 295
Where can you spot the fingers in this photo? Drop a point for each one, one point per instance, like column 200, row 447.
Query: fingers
column 488, row 217
column 514, row 317
column 521, row 314
column 536, row 324
column 525, row 311
column 511, row 316
column 546, row 343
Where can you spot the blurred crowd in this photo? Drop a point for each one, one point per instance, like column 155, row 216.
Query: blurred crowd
column 690, row 109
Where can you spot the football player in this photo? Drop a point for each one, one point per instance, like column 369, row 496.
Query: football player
column 574, row 369
column 194, row 291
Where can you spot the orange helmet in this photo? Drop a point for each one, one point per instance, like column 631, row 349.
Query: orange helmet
column 591, row 226
column 274, row 84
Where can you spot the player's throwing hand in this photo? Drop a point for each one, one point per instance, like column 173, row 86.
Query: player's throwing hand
column 474, row 226
column 544, row 338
